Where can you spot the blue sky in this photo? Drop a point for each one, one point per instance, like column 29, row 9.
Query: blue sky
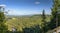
column 27, row 7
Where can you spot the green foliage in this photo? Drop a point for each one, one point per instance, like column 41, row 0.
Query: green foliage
column 43, row 18
column 55, row 14
column 3, row 27
column 44, row 22
column 55, row 17
column 22, row 22
column 2, row 17
column 33, row 29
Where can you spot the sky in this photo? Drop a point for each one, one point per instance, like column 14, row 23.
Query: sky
column 27, row 7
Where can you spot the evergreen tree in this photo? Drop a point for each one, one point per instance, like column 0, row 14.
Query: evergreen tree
column 55, row 15
column 43, row 16
column 43, row 21
column 3, row 27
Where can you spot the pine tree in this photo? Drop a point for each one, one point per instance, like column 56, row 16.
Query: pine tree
column 43, row 16
column 59, row 13
column 55, row 15
column 43, row 21
column 3, row 27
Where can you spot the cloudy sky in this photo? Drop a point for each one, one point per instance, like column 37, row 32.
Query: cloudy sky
column 27, row 7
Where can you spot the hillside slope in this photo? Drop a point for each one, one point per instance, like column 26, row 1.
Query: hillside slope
column 24, row 21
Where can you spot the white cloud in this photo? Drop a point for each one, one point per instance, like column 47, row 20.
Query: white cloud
column 37, row 2
column 3, row 5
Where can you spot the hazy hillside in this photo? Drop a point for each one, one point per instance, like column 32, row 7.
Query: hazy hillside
column 20, row 22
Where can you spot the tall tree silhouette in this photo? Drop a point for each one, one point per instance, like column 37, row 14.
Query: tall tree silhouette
column 43, row 21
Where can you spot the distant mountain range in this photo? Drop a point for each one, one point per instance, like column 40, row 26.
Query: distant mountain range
column 26, row 15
